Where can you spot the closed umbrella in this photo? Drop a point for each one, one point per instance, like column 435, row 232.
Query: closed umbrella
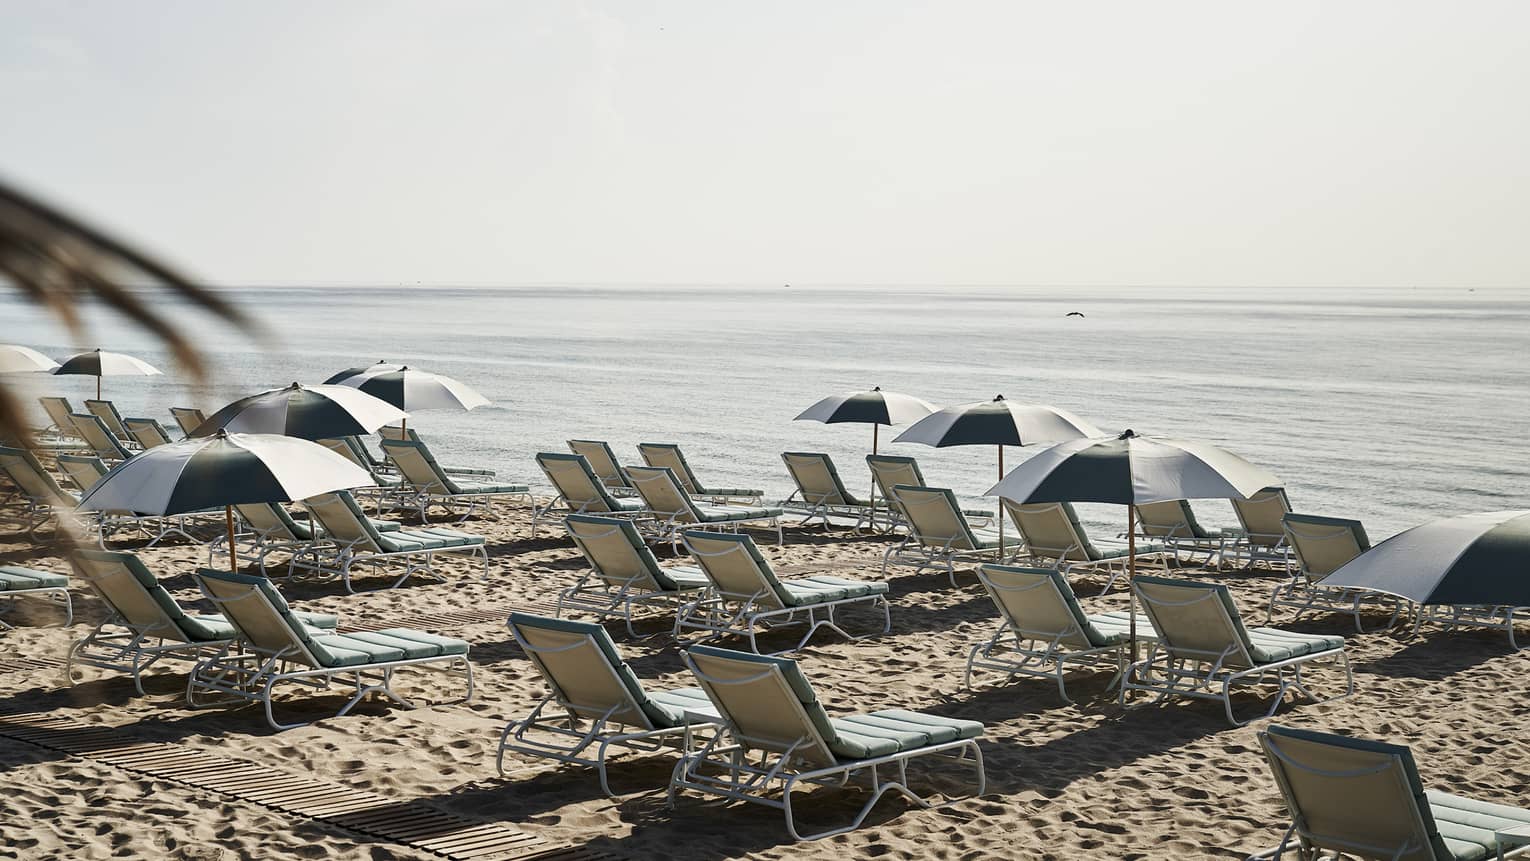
column 1000, row 423
column 875, row 408
column 413, row 390
column 1132, row 470
column 309, row 412
column 224, row 469
column 98, row 363
column 16, row 359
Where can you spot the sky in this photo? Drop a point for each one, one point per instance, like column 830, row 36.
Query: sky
column 1295, row 143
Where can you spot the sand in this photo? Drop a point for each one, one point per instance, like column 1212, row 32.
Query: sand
column 1064, row 781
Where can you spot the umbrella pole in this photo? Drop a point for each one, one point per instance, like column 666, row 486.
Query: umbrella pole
column 874, row 428
column 233, row 559
column 98, row 387
column 1131, row 577
column 1001, row 506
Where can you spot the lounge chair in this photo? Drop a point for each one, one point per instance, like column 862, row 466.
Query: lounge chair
column 746, row 596
column 357, row 540
column 580, row 490
column 274, row 646
column 603, row 462
column 889, row 471
column 668, row 455
column 409, row 435
column 42, row 497
column 820, row 493
column 389, row 487
column 1172, row 524
column 1043, row 632
column 674, row 511
column 769, row 709
column 99, row 438
column 16, row 582
column 1203, row 650
column 1264, row 531
column 587, row 678
column 58, row 410
column 1365, row 799
column 623, row 572
column 148, row 433
column 431, row 485
column 1054, row 536
column 144, row 623
column 188, row 419
column 269, row 528
column 106, row 411
column 939, row 535
column 1322, row 545
column 83, row 471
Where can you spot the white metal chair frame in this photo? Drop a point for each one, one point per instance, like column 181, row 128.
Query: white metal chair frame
column 668, row 525
column 421, row 493
column 817, row 506
column 1303, row 592
column 54, row 594
column 918, row 552
column 595, row 592
column 335, row 556
column 549, row 511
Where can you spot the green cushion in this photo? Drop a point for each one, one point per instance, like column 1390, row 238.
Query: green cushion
column 420, row 540
column 894, row 731
column 1468, row 825
column 414, row 644
column 1269, row 645
column 728, row 491
column 988, row 539
column 686, row 577
column 16, row 577
column 468, row 487
column 821, row 588
column 1114, row 628
column 672, row 706
column 730, row 513
column 344, row 650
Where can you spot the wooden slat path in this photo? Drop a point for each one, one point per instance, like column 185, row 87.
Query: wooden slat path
column 410, row 823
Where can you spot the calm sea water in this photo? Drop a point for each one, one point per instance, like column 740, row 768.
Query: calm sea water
column 1392, row 406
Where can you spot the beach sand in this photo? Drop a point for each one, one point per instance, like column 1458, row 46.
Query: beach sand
column 1064, row 781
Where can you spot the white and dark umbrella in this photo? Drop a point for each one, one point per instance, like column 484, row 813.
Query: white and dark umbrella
column 876, row 408
column 222, row 470
column 376, row 367
column 999, row 423
column 1132, row 470
column 16, row 359
column 1479, row 559
column 413, row 390
column 99, row 363
column 309, row 412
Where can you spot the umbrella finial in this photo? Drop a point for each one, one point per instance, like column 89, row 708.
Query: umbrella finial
column 295, row 385
column 222, row 433
column 876, row 388
column 997, row 398
column 1127, row 434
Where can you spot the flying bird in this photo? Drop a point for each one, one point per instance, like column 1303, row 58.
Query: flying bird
column 1074, row 314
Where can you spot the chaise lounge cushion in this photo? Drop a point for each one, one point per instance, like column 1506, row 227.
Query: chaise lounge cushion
column 374, row 647
column 890, row 731
column 420, row 540
column 822, row 588
column 13, row 577
column 1272, row 644
column 730, row 513
column 1467, row 825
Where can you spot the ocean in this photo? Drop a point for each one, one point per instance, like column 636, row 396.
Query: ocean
column 1391, row 406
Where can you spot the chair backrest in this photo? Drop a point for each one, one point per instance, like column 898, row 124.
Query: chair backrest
column 83, row 469
column 272, row 521
column 734, row 565
column 106, row 411
column 188, row 419
column 661, row 491
column 1324, row 544
column 1038, row 603
column 617, row 553
column 669, row 456
column 1262, row 516
column 343, row 520
column 148, row 432
column 395, row 432
column 1195, row 620
column 766, row 701
column 889, row 471
column 602, row 460
column 1171, row 519
column 1051, row 530
column 1359, row 797
column 135, row 597
column 934, row 517
column 98, row 436
column 36, row 483
column 346, row 448
column 417, row 466
column 581, row 665
column 261, row 615
column 578, row 485
column 817, row 479
column 58, row 410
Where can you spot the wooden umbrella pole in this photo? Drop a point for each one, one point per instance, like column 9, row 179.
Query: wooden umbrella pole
column 233, row 558
column 1131, row 576
column 874, row 429
column 1001, row 506
column 98, row 387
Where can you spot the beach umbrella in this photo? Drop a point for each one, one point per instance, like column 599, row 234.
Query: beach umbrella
column 999, row 423
column 222, row 470
column 16, row 359
column 1132, row 470
column 376, row 367
column 98, row 363
column 1468, row 559
column 412, row 390
column 875, row 408
column 309, row 412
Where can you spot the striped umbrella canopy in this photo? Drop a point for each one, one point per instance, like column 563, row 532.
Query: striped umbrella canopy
column 224, row 469
column 99, row 363
column 377, row 367
column 16, row 359
column 875, row 408
column 1468, row 559
column 309, row 412
column 1132, row 470
column 410, row 389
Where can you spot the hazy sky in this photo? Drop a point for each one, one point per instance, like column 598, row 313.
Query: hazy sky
column 1346, row 143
